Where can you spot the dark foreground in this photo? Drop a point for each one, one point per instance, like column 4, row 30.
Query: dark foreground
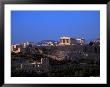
column 57, row 61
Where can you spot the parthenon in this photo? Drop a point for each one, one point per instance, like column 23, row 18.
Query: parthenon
column 64, row 40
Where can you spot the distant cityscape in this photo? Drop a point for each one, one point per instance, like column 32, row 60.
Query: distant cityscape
column 64, row 40
column 68, row 57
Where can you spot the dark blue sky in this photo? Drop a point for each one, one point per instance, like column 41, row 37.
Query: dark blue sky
column 50, row 25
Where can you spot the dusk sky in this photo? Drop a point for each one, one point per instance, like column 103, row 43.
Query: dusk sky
column 35, row 26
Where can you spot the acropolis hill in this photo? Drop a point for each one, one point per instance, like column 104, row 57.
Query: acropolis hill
column 69, row 58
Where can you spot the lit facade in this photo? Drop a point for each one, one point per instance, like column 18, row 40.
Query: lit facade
column 67, row 41
column 80, row 41
column 16, row 48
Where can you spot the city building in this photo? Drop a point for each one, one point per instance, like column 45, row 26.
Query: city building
column 64, row 40
column 16, row 48
column 26, row 44
column 80, row 41
column 97, row 41
column 47, row 43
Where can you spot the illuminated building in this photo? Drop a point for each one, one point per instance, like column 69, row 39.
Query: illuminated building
column 64, row 40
